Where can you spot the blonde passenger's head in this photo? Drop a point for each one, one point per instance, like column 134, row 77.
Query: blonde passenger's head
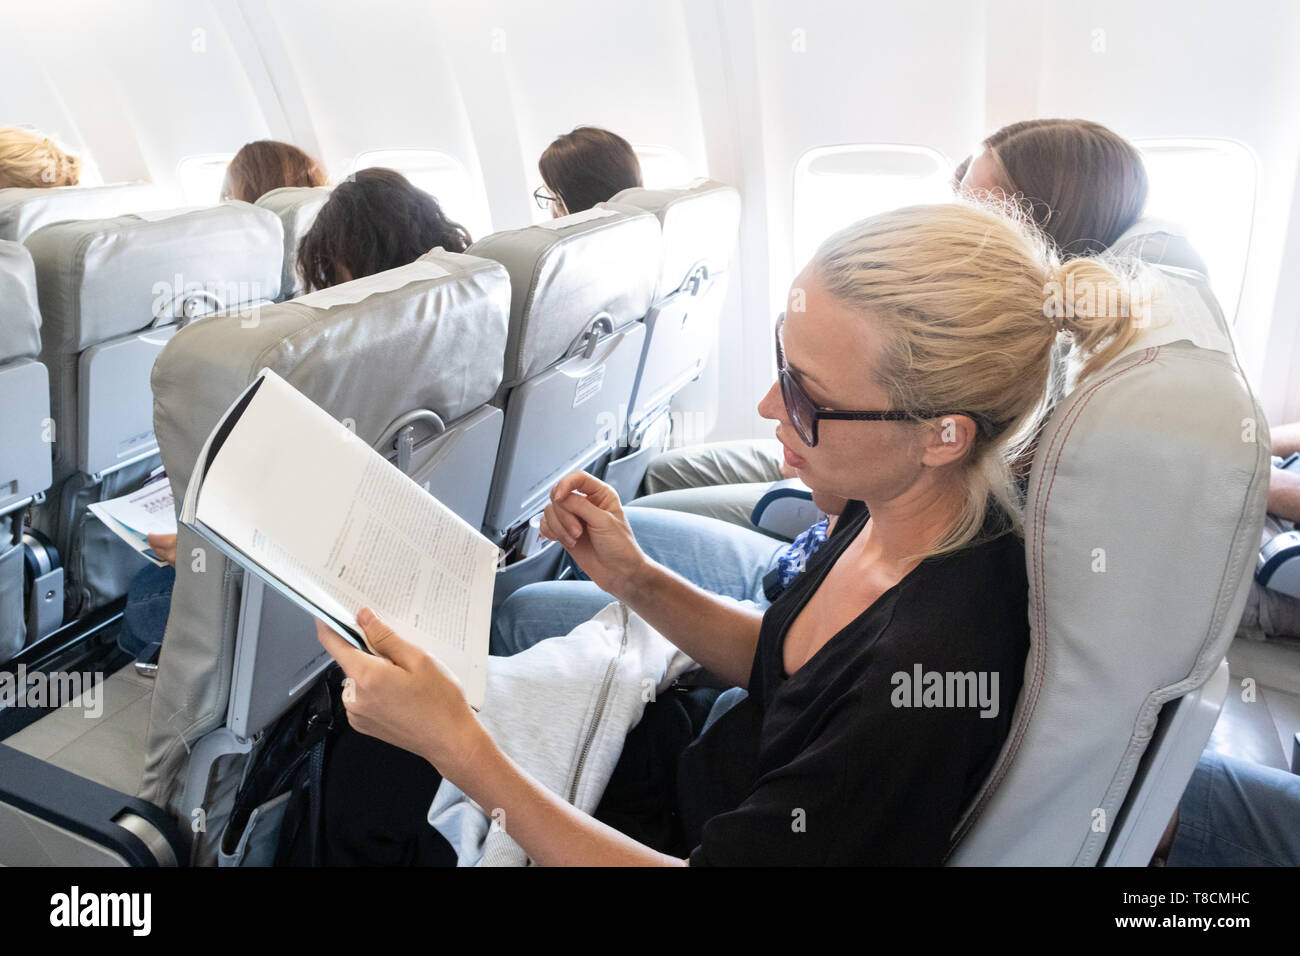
column 30, row 160
column 951, row 313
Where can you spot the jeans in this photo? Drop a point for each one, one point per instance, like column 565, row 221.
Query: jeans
column 721, row 480
column 148, row 602
column 1237, row 813
column 719, row 557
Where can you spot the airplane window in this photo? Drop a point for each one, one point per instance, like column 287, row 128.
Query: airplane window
column 1208, row 187
column 201, row 177
column 838, row 185
column 662, row 166
column 440, row 175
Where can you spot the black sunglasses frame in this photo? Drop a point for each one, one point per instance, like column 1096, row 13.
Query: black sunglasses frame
column 797, row 400
column 544, row 199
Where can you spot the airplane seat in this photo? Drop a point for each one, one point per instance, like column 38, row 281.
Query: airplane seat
column 700, row 225
column 297, row 207
column 24, row 449
column 408, row 358
column 24, row 210
column 580, row 286
column 1126, row 676
column 1159, row 242
column 111, row 293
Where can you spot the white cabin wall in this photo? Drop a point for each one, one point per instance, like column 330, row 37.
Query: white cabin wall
column 1188, row 68
column 740, row 88
column 143, row 85
column 809, row 74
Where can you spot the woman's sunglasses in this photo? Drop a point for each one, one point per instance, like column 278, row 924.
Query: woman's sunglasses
column 543, row 198
column 805, row 413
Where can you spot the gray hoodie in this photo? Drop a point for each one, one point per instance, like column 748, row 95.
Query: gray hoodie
column 561, row 710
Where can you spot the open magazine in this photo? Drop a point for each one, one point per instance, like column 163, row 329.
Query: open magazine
column 133, row 517
column 294, row 497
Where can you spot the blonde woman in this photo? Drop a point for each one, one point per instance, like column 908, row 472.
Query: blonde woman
column 912, row 373
column 33, row 161
column 1081, row 183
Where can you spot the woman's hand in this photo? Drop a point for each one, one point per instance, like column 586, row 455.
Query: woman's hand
column 405, row 697
column 585, row 516
column 163, row 545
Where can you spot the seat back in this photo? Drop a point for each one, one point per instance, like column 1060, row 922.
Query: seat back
column 23, row 211
column 297, row 207
column 24, row 383
column 1159, row 242
column 409, row 358
column 24, row 432
column 112, row 292
column 700, row 225
column 580, row 286
column 1146, row 501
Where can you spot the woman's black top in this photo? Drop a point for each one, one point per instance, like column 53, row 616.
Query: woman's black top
column 870, row 752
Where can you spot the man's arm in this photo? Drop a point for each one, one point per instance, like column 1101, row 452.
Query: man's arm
column 1286, row 439
column 1284, row 494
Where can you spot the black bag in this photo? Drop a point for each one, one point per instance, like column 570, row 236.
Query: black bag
column 640, row 799
column 292, row 758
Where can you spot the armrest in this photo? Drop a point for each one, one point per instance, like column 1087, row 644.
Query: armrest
column 49, row 815
column 1278, row 564
column 786, row 509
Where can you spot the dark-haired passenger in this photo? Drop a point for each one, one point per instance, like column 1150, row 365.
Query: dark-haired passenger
column 374, row 220
column 583, row 168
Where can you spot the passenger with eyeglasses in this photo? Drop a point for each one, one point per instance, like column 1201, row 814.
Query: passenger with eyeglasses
column 695, row 513
column 913, row 416
column 584, row 167
column 1082, row 184
column 718, row 556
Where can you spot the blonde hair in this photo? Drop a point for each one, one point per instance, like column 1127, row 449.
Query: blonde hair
column 31, row 160
column 969, row 299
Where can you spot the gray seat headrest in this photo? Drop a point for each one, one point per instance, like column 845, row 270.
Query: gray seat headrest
column 1145, row 505
column 426, row 335
column 23, row 211
column 1159, row 242
column 101, row 278
column 566, row 272
column 20, row 319
column 700, row 225
column 297, row 207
